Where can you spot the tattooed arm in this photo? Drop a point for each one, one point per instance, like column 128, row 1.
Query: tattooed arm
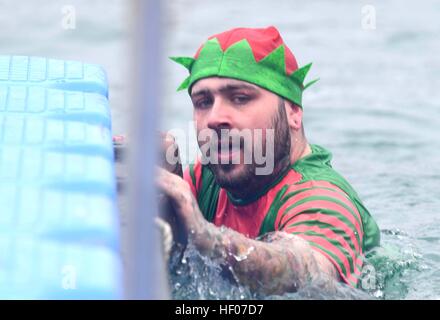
column 284, row 264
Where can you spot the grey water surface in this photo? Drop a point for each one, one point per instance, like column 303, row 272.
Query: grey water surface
column 376, row 107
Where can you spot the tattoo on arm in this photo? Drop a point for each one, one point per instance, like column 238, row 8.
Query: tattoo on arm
column 278, row 264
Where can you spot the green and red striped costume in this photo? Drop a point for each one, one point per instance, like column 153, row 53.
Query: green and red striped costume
column 310, row 200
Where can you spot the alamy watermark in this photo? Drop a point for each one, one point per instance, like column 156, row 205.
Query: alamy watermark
column 229, row 146
column 368, row 17
column 68, row 281
column 368, row 278
column 68, row 19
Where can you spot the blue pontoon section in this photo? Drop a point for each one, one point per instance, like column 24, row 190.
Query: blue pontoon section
column 52, row 73
column 59, row 235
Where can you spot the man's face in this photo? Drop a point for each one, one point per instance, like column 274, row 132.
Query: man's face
column 236, row 119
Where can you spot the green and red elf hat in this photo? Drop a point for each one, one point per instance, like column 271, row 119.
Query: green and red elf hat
column 254, row 55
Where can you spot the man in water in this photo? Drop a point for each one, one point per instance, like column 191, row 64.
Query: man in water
column 301, row 222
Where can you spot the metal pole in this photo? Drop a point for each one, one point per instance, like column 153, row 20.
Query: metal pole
column 145, row 276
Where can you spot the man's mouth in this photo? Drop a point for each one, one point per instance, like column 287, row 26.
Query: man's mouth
column 226, row 153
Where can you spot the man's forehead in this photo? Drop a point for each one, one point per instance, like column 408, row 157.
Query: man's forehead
column 218, row 83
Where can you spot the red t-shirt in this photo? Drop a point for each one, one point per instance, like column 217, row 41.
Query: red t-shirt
column 310, row 200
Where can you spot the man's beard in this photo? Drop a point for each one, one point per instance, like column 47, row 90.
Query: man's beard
column 246, row 181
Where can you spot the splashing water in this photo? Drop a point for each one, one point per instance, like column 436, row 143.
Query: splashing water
column 392, row 265
column 386, row 272
column 193, row 276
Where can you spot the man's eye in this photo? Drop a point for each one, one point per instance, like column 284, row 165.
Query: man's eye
column 240, row 99
column 203, row 103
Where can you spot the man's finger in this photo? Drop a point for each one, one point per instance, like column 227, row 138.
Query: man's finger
column 163, row 179
column 171, row 184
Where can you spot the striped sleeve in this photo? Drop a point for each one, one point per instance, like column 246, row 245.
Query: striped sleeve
column 192, row 175
column 322, row 214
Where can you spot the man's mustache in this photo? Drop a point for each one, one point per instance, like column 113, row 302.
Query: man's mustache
column 232, row 139
column 228, row 143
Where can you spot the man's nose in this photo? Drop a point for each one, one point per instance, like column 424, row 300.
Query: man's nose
column 219, row 116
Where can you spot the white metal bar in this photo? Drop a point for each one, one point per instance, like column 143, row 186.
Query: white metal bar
column 145, row 276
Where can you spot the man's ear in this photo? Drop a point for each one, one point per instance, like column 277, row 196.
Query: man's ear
column 294, row 115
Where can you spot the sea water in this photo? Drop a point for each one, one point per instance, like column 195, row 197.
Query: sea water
column 376, row 107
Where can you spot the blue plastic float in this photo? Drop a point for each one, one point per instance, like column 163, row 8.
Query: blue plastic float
column 59, row 229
